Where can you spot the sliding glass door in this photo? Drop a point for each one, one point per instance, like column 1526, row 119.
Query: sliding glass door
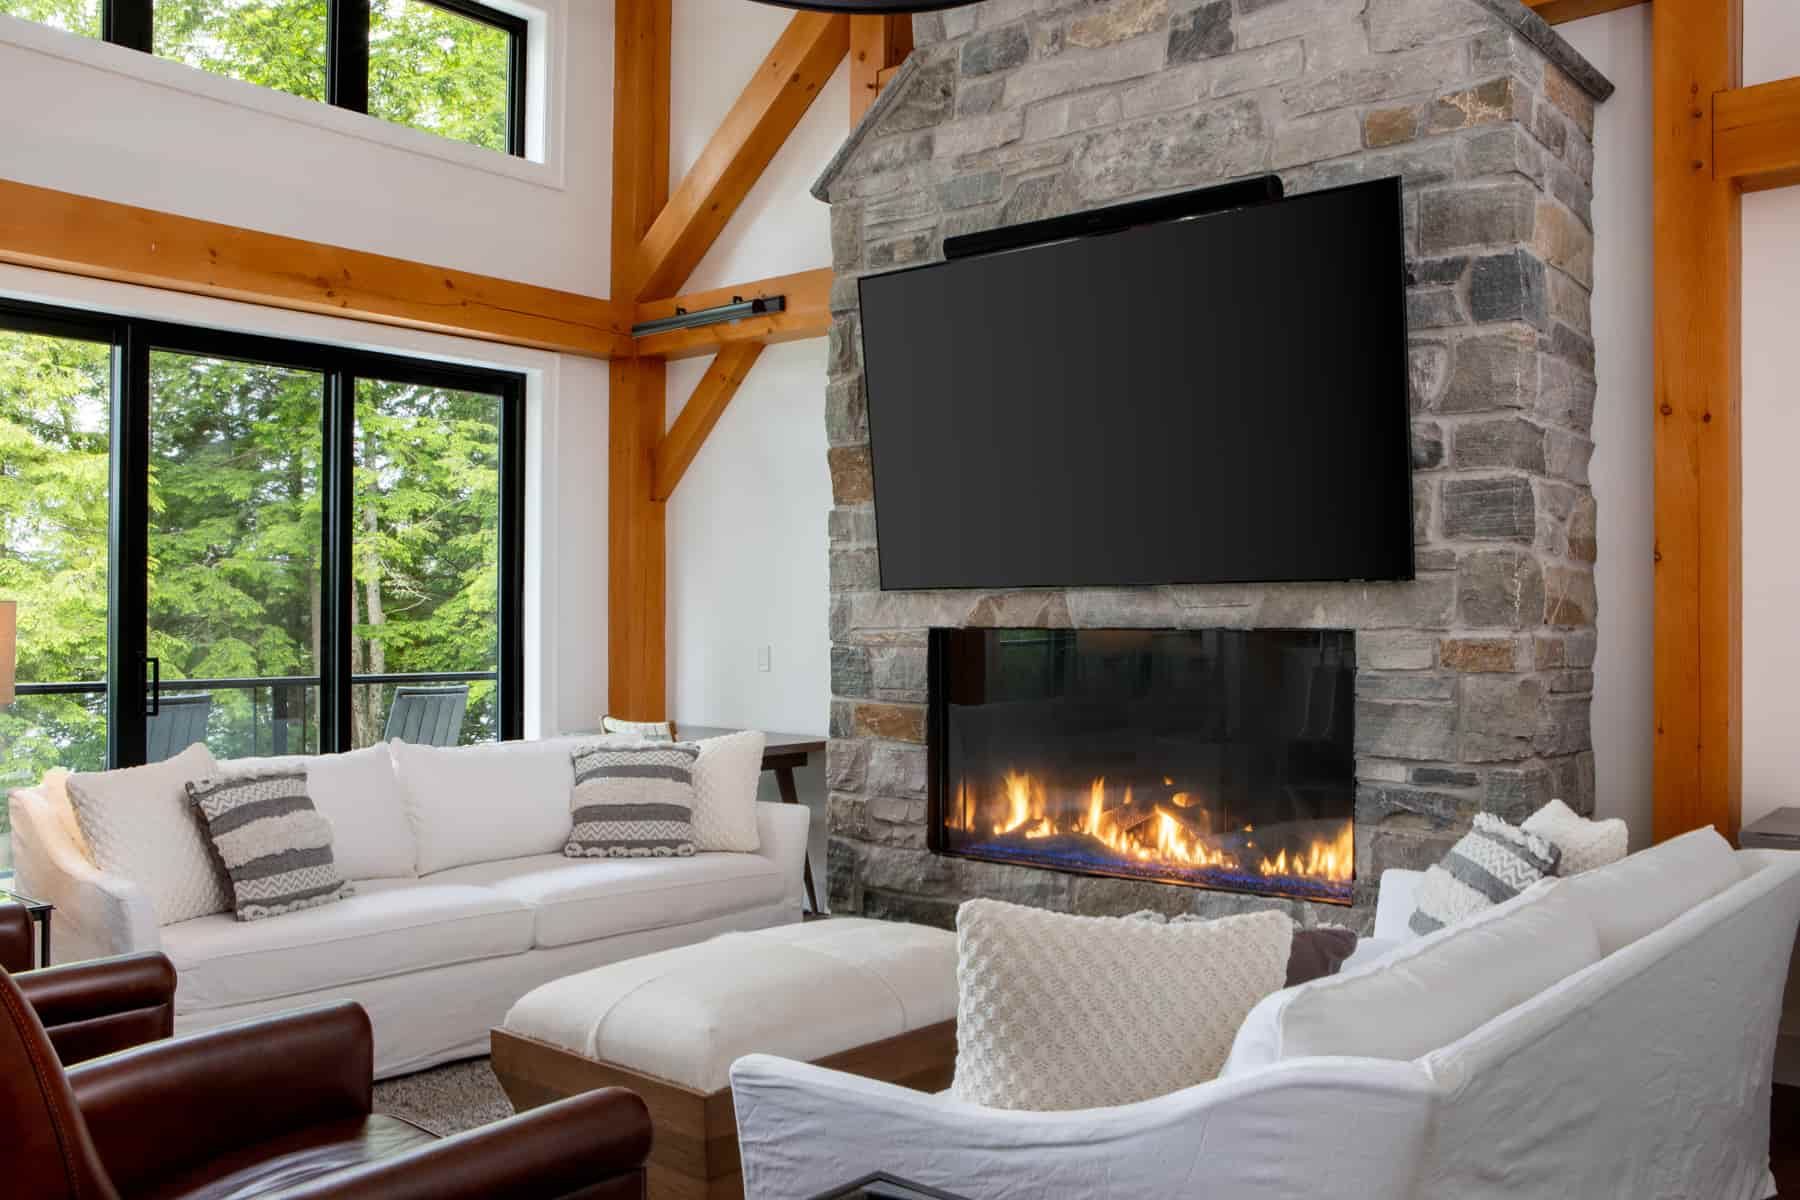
column 235, row 578
column 270, row 547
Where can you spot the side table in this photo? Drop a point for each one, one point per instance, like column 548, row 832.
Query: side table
column 39, row 911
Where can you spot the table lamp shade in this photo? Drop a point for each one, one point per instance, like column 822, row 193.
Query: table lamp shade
column 9, row 616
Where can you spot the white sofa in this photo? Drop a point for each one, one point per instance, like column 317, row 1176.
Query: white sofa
column 1644, row 1073
column 436, row 958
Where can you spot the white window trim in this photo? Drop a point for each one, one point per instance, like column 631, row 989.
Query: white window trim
column 542, row 166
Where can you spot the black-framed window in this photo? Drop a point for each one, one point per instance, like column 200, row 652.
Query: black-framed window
column 276, row 547
column 454, row 68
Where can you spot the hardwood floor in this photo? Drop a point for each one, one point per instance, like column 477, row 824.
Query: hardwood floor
column 1784, row 1141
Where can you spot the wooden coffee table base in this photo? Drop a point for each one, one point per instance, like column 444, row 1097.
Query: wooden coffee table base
column 694, row 1153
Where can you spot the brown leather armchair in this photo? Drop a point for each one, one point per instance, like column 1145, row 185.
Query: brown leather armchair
column 91, row 1008
column 281, row 1106
column 18, row 948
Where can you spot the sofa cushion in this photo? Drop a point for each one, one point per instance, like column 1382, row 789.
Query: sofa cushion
column 359, row 793
column 472, row 804
column 1425, row 993
column 578, row 900
column 1640, row 894
column 140, row 824
column 390, row 927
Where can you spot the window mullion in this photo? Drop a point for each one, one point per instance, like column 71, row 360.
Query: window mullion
column 337, row 608
column 347, row 55
column 127, row 23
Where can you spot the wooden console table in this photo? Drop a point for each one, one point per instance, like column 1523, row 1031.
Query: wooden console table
column 782, row 752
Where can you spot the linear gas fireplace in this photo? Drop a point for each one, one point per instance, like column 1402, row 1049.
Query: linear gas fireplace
column 1212, row 758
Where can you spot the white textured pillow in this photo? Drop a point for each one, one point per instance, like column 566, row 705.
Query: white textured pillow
column 1061, row 1012
column 725, row 793
column 138, row 823
column 1584, row 844
column 1428, row 992
column 470, row 804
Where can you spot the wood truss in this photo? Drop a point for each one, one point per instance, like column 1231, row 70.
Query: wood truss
column 1558, row 11
column 658, row 240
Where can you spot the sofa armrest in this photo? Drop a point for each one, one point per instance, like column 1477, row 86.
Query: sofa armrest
column 1394, row 904
column 97, row 914
column 100, row 1007
column 803, row 1130
column 783, row 830
column 161, row 1108
column 558, row 1150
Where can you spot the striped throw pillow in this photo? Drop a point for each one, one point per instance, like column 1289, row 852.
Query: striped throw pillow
column 274, row 845
column 1492, row 863
column 633, row 801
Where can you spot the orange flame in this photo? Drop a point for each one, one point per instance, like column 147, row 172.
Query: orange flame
column 1179, row 834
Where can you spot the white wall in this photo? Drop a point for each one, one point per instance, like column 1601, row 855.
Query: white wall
column 1623, row 468
column 1771, row 440
column 109, row 122
column 112, row 123
column 1618, row 43
column 747, row 537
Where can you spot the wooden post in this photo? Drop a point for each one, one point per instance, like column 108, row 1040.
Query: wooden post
column 878, row 43
column 637, row 584
column 1695, row 55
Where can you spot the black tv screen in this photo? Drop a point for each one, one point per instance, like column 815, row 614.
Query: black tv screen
column 1221, row 398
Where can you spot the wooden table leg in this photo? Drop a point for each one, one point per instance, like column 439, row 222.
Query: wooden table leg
column 784, row 782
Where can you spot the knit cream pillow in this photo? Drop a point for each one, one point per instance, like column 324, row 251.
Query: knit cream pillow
column 1584, row 844
column 138, row 823
column 1061, row 1012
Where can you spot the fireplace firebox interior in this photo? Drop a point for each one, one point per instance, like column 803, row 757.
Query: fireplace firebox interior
column 1210, row 758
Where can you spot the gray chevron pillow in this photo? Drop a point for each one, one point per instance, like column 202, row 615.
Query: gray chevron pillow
column 1492, row 863
column 633, row 801
column 274, row 845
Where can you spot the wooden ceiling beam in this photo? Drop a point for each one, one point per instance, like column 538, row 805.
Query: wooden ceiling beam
column 1756, row 135
column 699, row 415
column 1558, row 11
column 777, row 96
column 99, row 239
column 1697, row 257
column 807, row 315
column 879, row 43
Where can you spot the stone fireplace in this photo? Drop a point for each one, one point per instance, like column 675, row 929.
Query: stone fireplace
column 1464, row 690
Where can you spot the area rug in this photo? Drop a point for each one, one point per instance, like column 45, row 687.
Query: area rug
column 446, row 1099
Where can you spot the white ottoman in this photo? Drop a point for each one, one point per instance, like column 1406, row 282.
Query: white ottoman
column 873, row 998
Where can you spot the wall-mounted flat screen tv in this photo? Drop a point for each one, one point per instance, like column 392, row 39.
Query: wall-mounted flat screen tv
column 1219, row 398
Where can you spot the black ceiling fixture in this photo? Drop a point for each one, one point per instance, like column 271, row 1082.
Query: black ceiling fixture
column 869, row 7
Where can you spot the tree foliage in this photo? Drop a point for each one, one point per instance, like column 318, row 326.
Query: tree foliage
column 235, row 542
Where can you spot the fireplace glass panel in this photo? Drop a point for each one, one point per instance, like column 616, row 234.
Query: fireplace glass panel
column 1212, row 758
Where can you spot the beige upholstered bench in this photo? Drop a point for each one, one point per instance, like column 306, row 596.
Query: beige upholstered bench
column 873, row 998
